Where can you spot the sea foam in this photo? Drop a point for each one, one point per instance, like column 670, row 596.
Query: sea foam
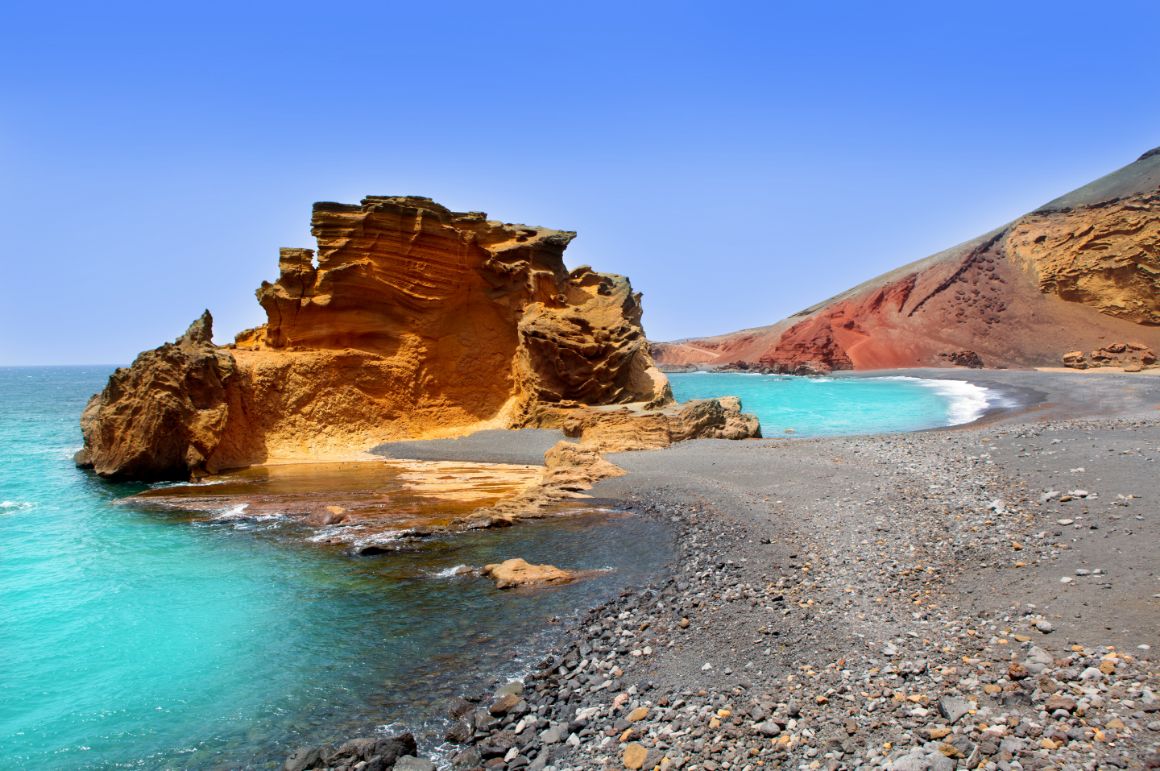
column 967, row 401
column 233, row 512
column 451, row 572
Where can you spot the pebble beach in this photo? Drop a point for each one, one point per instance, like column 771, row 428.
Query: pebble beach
column 985, row 597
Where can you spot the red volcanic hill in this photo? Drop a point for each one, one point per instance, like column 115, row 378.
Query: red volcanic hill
column 1077, row 278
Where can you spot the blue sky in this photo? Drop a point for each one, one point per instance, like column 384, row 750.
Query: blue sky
column 739, row 161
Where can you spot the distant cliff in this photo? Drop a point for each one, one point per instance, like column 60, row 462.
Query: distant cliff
column 1081, row 273
column 409, row 320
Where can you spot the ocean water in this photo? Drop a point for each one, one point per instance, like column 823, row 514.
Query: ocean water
column 828, row 406
column 136, row 639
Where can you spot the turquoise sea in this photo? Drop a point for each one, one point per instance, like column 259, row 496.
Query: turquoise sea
column 829, row 406
column 141, row 640
column 133, row 639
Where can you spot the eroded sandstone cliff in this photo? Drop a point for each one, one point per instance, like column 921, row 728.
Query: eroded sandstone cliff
column 165, row 414
column 408, row 320
column 1106, row 256
column 1077, row 274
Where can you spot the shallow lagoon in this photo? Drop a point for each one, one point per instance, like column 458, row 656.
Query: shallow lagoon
column 829, row 406
column 146, row 639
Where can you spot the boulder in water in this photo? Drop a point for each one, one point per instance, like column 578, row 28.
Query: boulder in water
column 518, row 572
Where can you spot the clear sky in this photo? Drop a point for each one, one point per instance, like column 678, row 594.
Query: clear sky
column 739, row 161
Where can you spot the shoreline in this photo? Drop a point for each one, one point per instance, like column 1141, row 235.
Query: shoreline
column 653, row 658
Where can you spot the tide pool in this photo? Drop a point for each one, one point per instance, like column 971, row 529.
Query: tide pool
column 828, row 406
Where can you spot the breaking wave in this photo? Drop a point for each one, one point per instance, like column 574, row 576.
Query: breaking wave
column 966, row 402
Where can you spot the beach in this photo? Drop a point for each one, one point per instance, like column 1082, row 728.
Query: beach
column 976, row 595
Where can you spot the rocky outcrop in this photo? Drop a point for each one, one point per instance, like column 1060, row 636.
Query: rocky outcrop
column 1131, row 356
column 167, row 414
column 1105, row 256
column 637, row 427
column 464, row 300
column 408, row 321
column 968, row 359
column 515, row 573
column 1077, row 272
column 369, row 752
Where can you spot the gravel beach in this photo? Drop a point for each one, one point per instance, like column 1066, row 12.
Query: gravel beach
column 983, row 597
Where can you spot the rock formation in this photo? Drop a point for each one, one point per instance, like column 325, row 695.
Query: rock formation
column 165, row 414
column 1077, row 273
column 638, row 427
column 1106, row 256
column 408, row 321
column 515, row 573
column 1131, row 356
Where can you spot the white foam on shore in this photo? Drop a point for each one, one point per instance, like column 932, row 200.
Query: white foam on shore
column 967, row 401
column 451, row 572
column 379, row 539
column 233, row 512
column 335, row 532
column 199, row 483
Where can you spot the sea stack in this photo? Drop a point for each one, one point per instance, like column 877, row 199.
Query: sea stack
column 409, row 320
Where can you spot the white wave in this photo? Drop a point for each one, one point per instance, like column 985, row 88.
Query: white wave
column 272, row 515
column 377, row 539
column 16, row 505
column 334, row 532
column 968, row 401
column 241, row 519
column 233, row 512
column 450, row 572
column 200, row 483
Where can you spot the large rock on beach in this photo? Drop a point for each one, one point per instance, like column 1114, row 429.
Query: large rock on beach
column 371, row 752
column 408, row 321
column 1078, row 271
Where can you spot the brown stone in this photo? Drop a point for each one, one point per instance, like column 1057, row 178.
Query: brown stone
column 519, row 572
column 1059, row 701
column 504, row 704
column 634, row 755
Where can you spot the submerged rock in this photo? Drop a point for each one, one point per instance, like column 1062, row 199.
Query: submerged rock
column 372, row 752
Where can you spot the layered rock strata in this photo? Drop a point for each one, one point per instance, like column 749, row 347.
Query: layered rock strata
column 1077, row 273
column 409, row 320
